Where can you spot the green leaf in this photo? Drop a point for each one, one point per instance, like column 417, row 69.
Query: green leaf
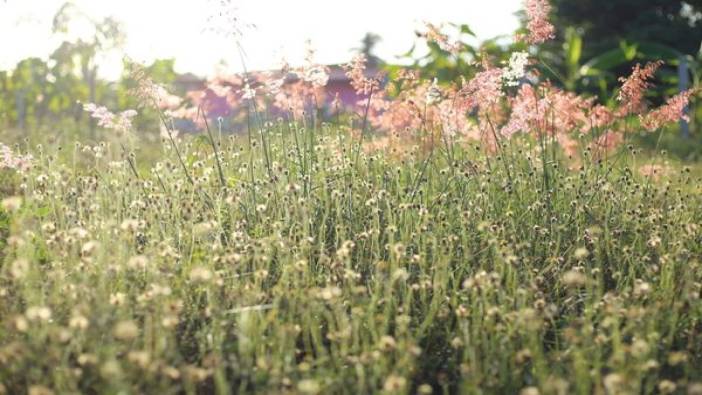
column 465, row 29
column 605, row 61
column 629, row 50
column 43, row 211
column 574, row 48
column 655, row 51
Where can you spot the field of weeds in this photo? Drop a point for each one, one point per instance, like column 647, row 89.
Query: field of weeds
column 498, row 235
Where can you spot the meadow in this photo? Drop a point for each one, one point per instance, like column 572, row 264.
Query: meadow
column 498, row 235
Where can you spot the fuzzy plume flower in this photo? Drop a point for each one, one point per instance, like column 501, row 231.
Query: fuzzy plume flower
column 525, row 109
column 484, row 90
column 120, row 123
column 433, row 34
column 313, row 73
column 599, row 117
column 568, row 112
column 606, row 143
column 516, row 69
column 557, row 112
column 225, row 20
column 356, row 72
column 631, row 94
column 453, row 122
column 247, row 92
column 149, row 92
column 274, row 84
column 673, row 110
column 10, row 160
column 316, row 75
column 540, row 29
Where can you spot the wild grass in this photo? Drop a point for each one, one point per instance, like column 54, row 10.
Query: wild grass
column 495, row 235
column 312, row 265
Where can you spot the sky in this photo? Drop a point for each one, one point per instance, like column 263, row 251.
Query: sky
column 194, row 32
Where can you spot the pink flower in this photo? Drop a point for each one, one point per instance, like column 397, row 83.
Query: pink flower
column 557, row 112
column 528, row 111
column 273, row 84
column 484, row 90
column 673, row 110
column 313, row 73
column 599, row 117
column 120, row 123
column 540, row 29
column 149, row 92
column 605, row 143
column 433, row 34
column 631, row 94
column 654, row 171
column 356, row 71
column 10, row 160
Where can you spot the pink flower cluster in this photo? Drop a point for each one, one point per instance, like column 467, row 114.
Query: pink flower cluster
column 484, row 90
column 312, row 72
column 673, row 110
column 631, row 95
column 11, row 160
column 433, row 34
column 149, row 92
column 356, row 71
column 540, row 29
column 120, row 123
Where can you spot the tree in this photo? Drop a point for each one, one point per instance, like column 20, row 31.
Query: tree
column 598, row 41
column 107, row 35
column 605, row 23
column 367, row 48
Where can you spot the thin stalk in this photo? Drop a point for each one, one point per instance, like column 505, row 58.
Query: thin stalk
column 214, row 148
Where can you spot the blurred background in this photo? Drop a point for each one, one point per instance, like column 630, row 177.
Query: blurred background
column 58, row 54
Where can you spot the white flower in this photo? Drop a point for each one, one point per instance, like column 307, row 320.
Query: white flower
column 516, row 69
column 316, row 75
column 434, row 93
column 248, row 93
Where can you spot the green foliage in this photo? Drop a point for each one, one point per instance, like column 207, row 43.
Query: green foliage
column 609, row 37
column 604, row 24
column 687, row 150
column 447, row 67
column 161, row 71
column 6, row 190
column 37, row 93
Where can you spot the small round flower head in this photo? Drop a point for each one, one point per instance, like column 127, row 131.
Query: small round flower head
column 11, row 204
column 126, row 330
column 308, row 386
column 394, row 383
